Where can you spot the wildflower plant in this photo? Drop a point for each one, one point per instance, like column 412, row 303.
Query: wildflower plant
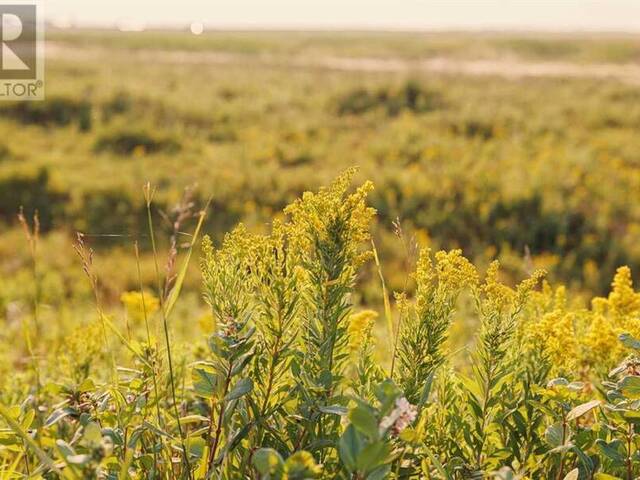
column 288, row 381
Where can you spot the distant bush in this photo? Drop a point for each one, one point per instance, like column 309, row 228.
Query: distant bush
column 472, row 128
column 110, row 211
column 222, row 134
column 33, row 193
column 128, row 142
column 57, row 111
column 411, row 96
column 120, row 103
column 5, row 153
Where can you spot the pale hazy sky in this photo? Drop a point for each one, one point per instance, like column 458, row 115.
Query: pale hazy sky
column 612, row 15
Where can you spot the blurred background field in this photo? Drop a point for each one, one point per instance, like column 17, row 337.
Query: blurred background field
column 519, row 146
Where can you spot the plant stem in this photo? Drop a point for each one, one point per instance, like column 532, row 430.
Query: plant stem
column 165, row 326
column 629, row 443
column 564, row 439
column 216, row 441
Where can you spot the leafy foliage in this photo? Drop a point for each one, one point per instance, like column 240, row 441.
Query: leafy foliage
column 287, row 382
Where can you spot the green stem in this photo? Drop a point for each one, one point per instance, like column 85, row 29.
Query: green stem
column 167, row 340
column 629, row 444
column 564, row 439
column 216, row 441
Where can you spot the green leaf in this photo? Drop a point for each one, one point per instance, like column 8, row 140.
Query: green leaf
column 630, row 387
column 372, row 456
column 269, row 463
column 17, row 428
column 365, row 421
column 439, row 467
column 349, row 447
column 80, row 459
column 64, row 448
column 553, row 435
column 204, row 382
column 92, row 435
column 605, row 476
column 629, row 342
column 580, row 410
column 572, row 475
column 58, row 415
column 334, row 410
column 380, row 473
column 426, row 389
column 177, row 285
column 240, row 389
column 612, row 451
column 195, row 447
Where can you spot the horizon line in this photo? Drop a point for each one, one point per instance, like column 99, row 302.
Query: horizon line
column 120, row 26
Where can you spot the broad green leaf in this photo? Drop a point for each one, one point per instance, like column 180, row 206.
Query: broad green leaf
column 612, row 450
column 380, row 473
column 630, row 387
column 629, row 342
column 372, row 456
column 580, row 410
column 92, row 435
column 195, row 447
column 553, row 435
column 204, row 382
column 349, row 447
column 269, row 463
column 365, row 421
column 240, row 389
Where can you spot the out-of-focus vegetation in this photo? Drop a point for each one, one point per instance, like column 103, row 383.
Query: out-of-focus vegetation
column 544, row 169
column 288, row 382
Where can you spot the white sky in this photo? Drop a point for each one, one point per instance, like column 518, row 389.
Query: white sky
column 610, row 15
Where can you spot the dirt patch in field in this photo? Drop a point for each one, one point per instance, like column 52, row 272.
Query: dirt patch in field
column 506, row 67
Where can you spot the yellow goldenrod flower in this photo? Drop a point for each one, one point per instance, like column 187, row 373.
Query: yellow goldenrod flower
column 601, row 339
column 359, row 329
column 623, row 299
column 556, row 332
column 136, row 305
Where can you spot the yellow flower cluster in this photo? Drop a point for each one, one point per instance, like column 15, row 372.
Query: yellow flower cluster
column 585, row 338
column 452, row 273
column 623, row 300
column 601, row 343
column 359, row 329
column 609, row 317
column 557, row 333
column 138, row 305
column 316, row 213
column 81, row 347
column 498, row 296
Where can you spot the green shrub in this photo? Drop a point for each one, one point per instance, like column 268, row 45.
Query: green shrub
column 54, row 111
column 127, row 142
column 5, row 153
column 35, row 194
column 411, row 96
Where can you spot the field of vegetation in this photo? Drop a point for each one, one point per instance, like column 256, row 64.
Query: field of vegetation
column 364, row 331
